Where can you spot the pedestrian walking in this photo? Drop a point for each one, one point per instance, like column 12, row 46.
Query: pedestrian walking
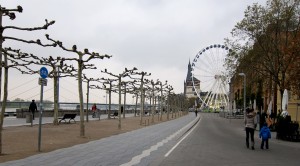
column 32, row 108
column 265, row 135
column 196, row 112
column 250, row 125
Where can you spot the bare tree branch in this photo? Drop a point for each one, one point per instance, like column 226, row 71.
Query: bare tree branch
column 38, row 41
column 31, row 29
column 92, row 55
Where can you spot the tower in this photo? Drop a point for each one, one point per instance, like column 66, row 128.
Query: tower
column 189, row 90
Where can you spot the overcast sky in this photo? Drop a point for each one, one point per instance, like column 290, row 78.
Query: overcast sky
column 156, row 36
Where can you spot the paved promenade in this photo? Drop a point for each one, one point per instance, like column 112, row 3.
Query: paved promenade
column 131, row 148
column 13, row 121
column 213, row 141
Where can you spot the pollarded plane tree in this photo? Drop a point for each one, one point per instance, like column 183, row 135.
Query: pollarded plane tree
column 147, row 96
column 134, row 89
column 11, row 59
column 161, row 89
column 88, row 80
column 17, row 60
column 109, row 86
column 178, row 105
column 59, row 69
column 109, row 89
column 152, row 90
column 184, row 104
column 172, row 103
column 11, row 14
column 4, row 12
column 168, row 90
column 142, row 92
column 84, row 57
column 126, row 89
column 123, row 74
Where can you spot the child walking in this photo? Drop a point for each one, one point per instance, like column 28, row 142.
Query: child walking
column 264, row 134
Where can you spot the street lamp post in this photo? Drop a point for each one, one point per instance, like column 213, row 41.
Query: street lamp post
column 244, row 75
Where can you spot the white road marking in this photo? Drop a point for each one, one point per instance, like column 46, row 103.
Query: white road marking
column 137, row 159
column 175, row 146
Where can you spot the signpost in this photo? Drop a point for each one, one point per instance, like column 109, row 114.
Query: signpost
column 42, row 82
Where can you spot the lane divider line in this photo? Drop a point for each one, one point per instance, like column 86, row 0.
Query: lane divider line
column 175, row 146
column 137, row 159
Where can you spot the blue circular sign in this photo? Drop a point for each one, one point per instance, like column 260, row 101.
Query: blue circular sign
column 43, row 72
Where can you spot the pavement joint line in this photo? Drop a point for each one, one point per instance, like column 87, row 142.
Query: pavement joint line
column 171, row 150
column 137, row 159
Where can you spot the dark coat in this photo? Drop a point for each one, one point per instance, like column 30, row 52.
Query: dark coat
column 32, row 107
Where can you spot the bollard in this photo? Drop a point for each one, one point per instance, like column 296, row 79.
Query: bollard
column 29, row 119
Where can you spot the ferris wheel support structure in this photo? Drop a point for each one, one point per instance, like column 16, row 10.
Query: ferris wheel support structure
column 209, row 76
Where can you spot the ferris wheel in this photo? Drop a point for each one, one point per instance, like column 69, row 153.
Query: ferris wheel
column 209, row 76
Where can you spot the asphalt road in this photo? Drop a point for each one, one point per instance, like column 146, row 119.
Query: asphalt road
column 206, row 140
column 219, row 141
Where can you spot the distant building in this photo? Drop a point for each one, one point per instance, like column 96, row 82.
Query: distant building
column 189, row 90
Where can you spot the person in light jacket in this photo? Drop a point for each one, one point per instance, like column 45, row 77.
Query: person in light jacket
column 250, row 125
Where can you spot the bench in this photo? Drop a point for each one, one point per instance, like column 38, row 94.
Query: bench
column 114, row 115
column 68, row 116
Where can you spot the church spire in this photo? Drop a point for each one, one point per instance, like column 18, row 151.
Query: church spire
column 189, row 73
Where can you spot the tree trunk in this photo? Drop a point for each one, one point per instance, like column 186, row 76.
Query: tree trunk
column 152, row 108
column 168, row 109
column 161, row 102
column 4, row 100
column 109, row 101
column 82, row 129
column 55, row 115
column 87, row 101
column 124, row 107
column 136, row 100
column 2, row 112
column 142, row 103
column 120, row 104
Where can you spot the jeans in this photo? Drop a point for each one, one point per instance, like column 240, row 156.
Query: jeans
column 263, row 141
column 249, row 131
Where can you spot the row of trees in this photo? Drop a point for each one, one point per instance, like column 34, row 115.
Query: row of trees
column 128, row 81
column 266, row 45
